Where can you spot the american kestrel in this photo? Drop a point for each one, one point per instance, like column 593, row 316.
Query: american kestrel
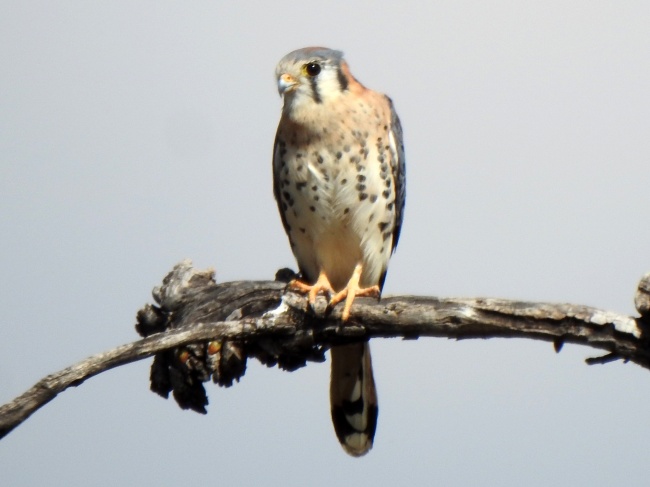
column 339, row 181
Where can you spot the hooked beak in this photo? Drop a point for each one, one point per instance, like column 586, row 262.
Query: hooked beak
column 286, row 83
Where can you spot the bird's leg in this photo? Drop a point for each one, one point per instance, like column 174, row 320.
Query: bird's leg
column 351, row 291
column 312, row 290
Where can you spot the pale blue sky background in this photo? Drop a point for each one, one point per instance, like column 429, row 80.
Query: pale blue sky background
column 134, row 134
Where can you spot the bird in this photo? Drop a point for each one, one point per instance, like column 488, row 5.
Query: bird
column 339, row 183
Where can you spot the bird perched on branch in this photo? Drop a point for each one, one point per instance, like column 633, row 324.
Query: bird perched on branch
column 339, row 182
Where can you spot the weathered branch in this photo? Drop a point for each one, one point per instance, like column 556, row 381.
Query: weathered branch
column 200, row 331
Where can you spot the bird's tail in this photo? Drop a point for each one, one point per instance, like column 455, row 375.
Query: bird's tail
column 353, row 397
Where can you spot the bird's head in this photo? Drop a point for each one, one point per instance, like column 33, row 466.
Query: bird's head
column 311, row 75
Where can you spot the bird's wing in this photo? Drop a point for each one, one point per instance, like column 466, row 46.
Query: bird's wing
column 277, row 169
column 398, row 169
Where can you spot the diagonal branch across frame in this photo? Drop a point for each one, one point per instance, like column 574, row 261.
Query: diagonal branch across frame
column 200, row 330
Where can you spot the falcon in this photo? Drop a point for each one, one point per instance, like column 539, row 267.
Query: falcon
column 339, row 182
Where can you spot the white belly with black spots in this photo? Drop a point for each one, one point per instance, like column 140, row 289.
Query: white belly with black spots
column 337, row 205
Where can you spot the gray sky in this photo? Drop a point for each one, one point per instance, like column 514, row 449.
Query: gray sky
column 134, row 134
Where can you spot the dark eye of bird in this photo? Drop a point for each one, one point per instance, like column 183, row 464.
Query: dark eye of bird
column 312, row 69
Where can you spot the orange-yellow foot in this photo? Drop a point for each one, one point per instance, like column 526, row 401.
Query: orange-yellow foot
column 312, row 290
column 351, row 291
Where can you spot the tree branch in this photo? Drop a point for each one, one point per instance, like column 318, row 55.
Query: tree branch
column 200, row 331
